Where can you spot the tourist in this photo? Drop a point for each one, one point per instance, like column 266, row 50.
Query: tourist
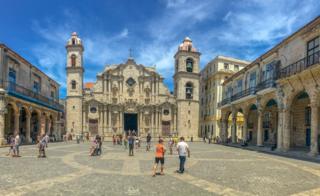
column 11, row 143
column 160, row 151
column 125, row 142
column 131, row 140
column 137, row 142
column 98, row 150
column 42, row 145
column 94, row 146
column 148, row 142
column 17, row 142
column 114, row 139
column 183, row 151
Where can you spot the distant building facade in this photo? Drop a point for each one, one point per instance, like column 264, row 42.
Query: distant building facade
column 131, row 96
column 29, row 99
column 278, row 94
column 212, row 77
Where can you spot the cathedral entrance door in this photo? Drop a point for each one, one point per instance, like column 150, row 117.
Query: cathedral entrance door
column 93, row 126
column 130, row 122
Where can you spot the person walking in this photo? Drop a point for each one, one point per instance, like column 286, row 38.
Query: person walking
column 11, row 143
column 17, row 142
column 125, row 142
column 131, row 141
column 160, row 151
column 183, row 151
column 42, row 145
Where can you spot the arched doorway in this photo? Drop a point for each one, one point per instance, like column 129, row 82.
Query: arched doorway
column 270, row 123
column 252, row 124
column 300, row 132
column 23, row 124
column 9, row 121
column 35, row 125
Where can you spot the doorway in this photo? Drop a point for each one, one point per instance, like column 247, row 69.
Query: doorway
column 130, row 122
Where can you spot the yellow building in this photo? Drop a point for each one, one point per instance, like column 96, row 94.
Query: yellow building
column 278, row 94
column 29, row 99
column 212, row 77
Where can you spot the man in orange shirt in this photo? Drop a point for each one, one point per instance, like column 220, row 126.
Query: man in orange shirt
column 160, row 151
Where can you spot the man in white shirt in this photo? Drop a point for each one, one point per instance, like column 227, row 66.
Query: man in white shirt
column 17, row 144
column 183, row 151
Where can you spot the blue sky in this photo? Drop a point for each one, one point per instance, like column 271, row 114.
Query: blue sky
column 244, row 29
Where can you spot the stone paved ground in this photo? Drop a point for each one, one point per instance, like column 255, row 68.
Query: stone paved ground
column 212, row 170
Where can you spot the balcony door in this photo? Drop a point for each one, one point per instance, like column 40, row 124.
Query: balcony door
column 12, row 79
column 252, row 82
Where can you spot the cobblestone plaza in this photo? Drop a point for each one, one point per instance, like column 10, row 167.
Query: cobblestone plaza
column 211, row 170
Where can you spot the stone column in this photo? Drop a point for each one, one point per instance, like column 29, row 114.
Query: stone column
column 286, row 129
column 280, row 130
column 234, row 128
column 44, row 124
column 109, row 121
column 16, row 122
column 2, row 118
column 121, row 121
column 28, row 125
column 100, row 122
column 260, row 128
column 224, row 130
column 245, row 128
column 314, row 151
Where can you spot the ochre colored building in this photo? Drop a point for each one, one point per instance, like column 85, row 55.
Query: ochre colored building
column 278, row 94
column 29, row 100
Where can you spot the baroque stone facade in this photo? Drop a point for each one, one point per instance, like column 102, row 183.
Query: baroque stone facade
column 29, row 100
column 131, row 96
column 278, row 94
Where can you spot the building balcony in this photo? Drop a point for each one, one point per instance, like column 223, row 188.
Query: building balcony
column 300, row 65
column 224, row 102
column 24, row 93
column 244, row 93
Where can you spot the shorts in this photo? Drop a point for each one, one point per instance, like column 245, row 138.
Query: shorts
column 159, row 159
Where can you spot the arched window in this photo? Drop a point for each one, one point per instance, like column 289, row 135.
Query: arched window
column 73, row 84
column 73, row 60
column 189, row 90
column 189, row 65
column 73, row 41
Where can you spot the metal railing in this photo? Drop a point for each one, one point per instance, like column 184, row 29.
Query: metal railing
column 300, row 65
column 244, row 93
column 224, row 102
column 269, row 83
column 25, row 93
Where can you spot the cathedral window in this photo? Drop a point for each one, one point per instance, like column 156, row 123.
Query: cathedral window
column 166, row 112
column 189, row 90
column 73, row 84
column 93, row 109
column 189, row 65
column 131, row 81
column 73, row 60
column 73, row 42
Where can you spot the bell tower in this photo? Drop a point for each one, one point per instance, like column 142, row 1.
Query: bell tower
column 186, row 88
column 75, row 71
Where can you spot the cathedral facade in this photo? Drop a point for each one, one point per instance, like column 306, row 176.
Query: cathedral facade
column 131, row 96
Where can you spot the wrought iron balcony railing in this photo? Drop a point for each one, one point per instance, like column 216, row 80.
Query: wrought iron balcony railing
column 300, row 65
column 25, row 93
column 244, row 93
column 269, row 83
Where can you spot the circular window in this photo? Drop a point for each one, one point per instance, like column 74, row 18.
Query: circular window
column 166, row 112
column 93, row 109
